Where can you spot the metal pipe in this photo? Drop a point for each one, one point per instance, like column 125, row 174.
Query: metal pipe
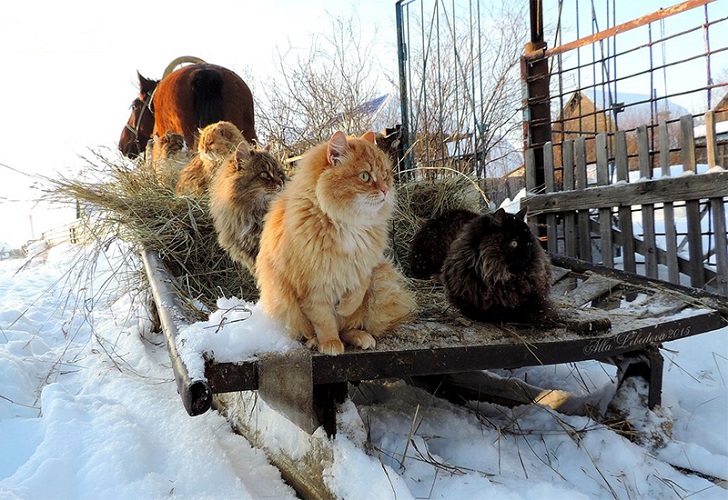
column 403, row 170
column 195, row 393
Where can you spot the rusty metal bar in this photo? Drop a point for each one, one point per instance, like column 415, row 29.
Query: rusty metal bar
column 620, row 28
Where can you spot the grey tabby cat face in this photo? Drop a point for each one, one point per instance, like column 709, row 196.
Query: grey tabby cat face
column 261, row 171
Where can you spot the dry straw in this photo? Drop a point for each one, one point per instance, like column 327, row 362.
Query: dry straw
column 423, row 200
column 132, row 202
column 135, row 203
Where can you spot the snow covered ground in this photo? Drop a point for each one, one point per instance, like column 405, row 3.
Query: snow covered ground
column 88, row 409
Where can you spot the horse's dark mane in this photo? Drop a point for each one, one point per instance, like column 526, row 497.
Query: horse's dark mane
column 207, row 95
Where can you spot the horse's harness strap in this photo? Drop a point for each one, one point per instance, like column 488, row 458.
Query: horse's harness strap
column 147, row 105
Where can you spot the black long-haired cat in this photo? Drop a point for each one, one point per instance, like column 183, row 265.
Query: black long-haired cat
column 432, row 241
column 496, row 270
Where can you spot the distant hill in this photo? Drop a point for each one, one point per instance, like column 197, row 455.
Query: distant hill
column 637, row 105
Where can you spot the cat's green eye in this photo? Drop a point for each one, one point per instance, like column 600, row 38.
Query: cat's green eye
column 364, row 176
column 265, row 175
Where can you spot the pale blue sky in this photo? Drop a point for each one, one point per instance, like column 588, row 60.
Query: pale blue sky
column 675, row 79
column 70, row 72
column 70, row 69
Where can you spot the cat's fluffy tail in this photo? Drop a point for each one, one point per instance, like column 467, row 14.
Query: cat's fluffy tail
column 389, row 301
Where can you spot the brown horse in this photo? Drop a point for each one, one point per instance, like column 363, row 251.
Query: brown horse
column 185, row 101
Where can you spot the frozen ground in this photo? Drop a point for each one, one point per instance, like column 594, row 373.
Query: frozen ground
column 88, row 409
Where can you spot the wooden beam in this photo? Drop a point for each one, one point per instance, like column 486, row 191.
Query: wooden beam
column 692, row 206
column 620, row 28
column 667, row 189
column 702, row 297
column 195, row 392
column 488, row 387
column 668, row 212
column 356, row 364
column 711, row 145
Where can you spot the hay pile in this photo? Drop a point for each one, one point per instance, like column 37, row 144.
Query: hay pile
column 419, row 201
column 134, row 203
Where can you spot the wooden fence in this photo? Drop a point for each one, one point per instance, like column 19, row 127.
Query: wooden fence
column 663, row 221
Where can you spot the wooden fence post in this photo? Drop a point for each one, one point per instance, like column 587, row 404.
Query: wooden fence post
column 673, row 271
column 570, row 240
column 648, row 210
column 695, row 240
column 605, row 214
column 625, row 212
column 584, row 228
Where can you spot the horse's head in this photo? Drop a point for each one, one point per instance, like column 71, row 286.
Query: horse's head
column 138, row 130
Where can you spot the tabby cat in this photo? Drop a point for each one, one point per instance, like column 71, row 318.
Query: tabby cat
column 240, row 193
column 168, row 146
column 169, row 156
column 432, row 241
column 496, row 270
column 321, row 266
column 215, row 144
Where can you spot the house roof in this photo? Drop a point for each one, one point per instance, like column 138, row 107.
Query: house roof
column 369, row 109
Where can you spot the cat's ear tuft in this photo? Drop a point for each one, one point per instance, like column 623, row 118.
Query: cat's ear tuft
column 369, row 136
column 499, row 217
column 521, row 215
column 338, row 146
column 242, row 153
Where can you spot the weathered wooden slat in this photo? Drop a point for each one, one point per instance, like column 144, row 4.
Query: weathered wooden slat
column 671, row 189
column 711, row 145
column 661, row 304
column 563, row 286
column 695, row 246
column 195, row 392
column 231, row 377
column 570, row 237
column 673, row 272
column 485, row 386
column 692, row 205
column 625, row 213
column 285, row 383
column 648, row 209
column 552, row 234
column 558, row 272
column 683, row 265
column 687, row 143
column 594, row 287
column 605, row 214
column 584, row 228
column 530, row 169
column 707, row 299
column 302, row 459
column 717, row 208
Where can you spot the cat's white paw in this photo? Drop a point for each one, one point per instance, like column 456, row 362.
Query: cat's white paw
column 359, row 338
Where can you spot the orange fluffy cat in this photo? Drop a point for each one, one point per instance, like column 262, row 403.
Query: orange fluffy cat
column 321, row 265
column 216, row 142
